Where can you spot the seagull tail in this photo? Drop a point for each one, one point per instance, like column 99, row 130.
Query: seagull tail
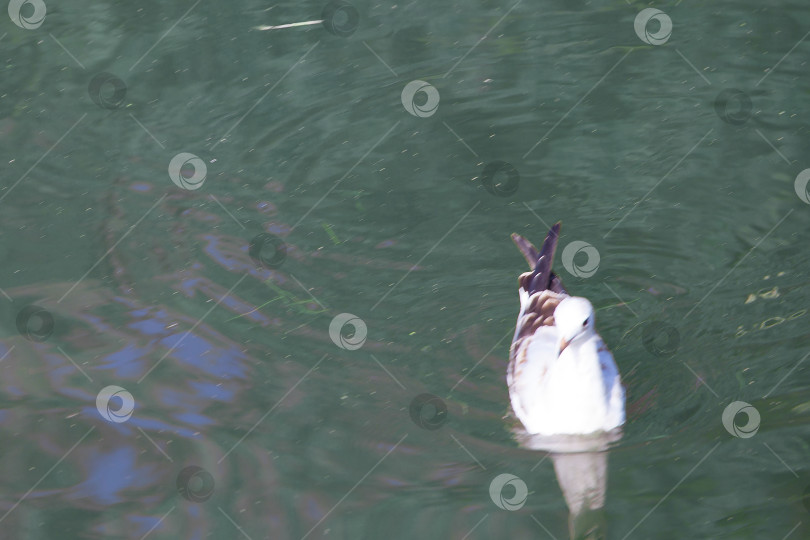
column 541, row 278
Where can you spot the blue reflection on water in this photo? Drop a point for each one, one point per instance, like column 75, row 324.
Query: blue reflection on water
column 105, row 481
column 122, row 361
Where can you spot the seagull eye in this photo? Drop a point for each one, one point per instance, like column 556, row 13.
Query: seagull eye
column 585, row 323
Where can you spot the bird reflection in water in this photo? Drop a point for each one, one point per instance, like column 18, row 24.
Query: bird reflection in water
column 580, row 464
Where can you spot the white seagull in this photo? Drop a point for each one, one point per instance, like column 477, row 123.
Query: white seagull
column 562, row 378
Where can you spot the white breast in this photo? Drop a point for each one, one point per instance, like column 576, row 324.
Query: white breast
column 577, row 392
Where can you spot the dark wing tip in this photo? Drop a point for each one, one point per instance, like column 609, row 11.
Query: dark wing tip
column 556, row 284
column 541, row 278
column 526, row 248
column 542, row 274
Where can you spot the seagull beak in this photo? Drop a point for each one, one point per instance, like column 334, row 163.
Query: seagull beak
column 563, row 345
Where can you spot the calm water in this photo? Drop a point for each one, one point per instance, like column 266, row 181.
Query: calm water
column 677, row 160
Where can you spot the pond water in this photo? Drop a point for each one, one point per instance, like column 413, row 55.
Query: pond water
column 191, row 202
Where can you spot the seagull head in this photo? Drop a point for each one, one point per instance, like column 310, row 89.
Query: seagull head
column 574, row 318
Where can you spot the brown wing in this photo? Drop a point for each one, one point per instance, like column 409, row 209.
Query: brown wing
column 540, row 311
column 545, row 292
